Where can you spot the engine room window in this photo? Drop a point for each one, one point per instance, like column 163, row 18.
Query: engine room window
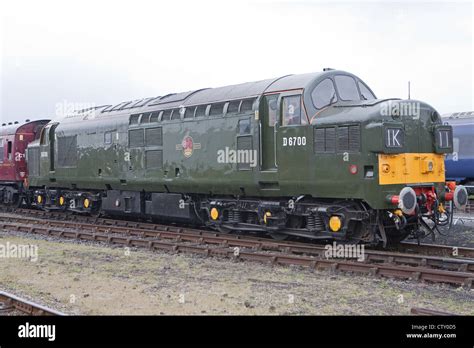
column 365, row 92
column 134, row 119
column 189, row 112
column 166, row 115
column 324, row 94
column 233, row 107
column 292, row 110
column 244, row 126
column 108, row 138
column 154, row 116
column 347, row 88
column 201, row 111
column 247, row 105
column 217, row 109
column 176, row 114
column 145, row 118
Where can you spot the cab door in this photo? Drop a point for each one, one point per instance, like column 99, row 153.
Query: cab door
column 44, row 152
column 269, row 127
column 47, row 149
column 293, row 139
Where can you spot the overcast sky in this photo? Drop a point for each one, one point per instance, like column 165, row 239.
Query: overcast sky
column 57, row 54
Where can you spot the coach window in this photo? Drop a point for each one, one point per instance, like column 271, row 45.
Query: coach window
column 292, row 110
column 9, row 150
column 324, row 94
column 2, row 154
column 347, row 88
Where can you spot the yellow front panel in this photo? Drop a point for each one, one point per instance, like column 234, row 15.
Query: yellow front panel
column 411, row 168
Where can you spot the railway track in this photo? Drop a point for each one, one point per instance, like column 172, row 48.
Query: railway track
column 470, row 206
column 153, row 228
column 11, row 304
column 453, row 270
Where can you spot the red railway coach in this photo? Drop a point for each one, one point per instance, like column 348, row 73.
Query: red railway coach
column 14, row 139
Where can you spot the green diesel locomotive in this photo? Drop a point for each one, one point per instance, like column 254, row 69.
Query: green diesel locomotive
column 314, row 155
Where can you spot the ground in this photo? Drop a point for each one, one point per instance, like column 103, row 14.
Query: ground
column 90, row 278
column 461, row 232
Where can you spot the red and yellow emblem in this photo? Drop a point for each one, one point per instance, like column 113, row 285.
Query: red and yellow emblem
column 188, row 146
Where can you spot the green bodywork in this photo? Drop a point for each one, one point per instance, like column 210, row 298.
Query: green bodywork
column 299, row 169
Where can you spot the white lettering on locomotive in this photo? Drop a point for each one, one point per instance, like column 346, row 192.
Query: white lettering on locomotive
column 392, row 139
column 294, row 141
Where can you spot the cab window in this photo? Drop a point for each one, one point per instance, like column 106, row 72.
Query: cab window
column 291, row 110
column 347, row 88
column 44, row 138
column 324, row 94
column 272, row 102
column 365, row 92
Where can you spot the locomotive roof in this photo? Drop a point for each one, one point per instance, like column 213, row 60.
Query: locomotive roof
column 203, row 96
column 10, row 129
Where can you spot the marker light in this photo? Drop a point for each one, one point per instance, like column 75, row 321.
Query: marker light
column 335, row 223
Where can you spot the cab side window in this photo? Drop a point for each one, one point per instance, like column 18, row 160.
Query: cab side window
column 324, row 94
column 43, row 140
column 272, row 102
column 291, row 110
